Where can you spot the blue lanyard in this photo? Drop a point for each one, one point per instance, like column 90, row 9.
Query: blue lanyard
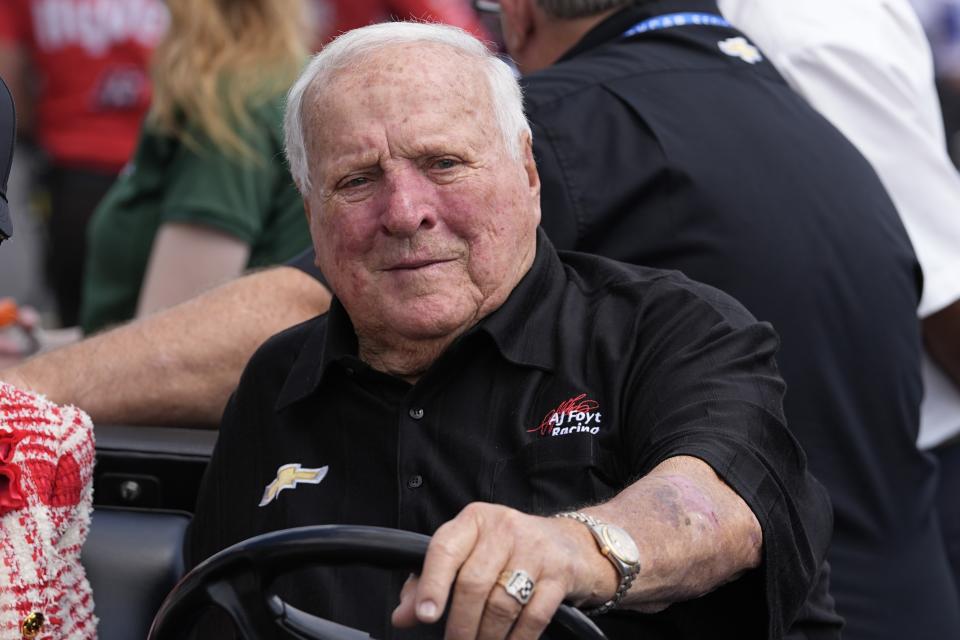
column 676, row 20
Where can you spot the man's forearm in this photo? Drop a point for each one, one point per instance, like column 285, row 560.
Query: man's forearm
column 178, row 366
column 941, row 332
column 694, row 533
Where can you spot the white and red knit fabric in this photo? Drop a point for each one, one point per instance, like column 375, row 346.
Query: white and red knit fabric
column 46, row 472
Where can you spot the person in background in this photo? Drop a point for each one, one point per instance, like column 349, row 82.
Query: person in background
column 46, row 490
column 80, row 80
column 667, row 138
column 207, row 193
column 866, row 66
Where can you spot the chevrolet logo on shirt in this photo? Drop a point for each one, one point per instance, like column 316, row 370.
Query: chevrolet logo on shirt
column 288, row 477
column 739, row 48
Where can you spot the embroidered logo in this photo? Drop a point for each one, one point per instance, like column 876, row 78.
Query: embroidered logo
column 576, row 415
column 288, row 477
column 738, row 47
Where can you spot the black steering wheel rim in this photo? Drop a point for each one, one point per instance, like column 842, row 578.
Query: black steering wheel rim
column 235, row 579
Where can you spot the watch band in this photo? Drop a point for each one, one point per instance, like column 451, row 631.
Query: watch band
column 626, row 575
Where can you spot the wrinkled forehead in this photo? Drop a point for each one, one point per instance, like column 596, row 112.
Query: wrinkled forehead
column 401, row 81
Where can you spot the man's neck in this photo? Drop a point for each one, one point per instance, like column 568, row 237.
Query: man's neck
column 553, row 38
column 404, row 359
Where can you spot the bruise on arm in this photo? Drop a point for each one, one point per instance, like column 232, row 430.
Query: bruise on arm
column 694, row 533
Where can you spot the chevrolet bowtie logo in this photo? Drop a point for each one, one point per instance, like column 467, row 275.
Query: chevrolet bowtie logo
column 288, row 477
column 739, row 48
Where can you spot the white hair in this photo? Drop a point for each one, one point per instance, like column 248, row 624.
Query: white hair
column 505, row 94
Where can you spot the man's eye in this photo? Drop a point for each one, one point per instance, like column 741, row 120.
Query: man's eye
column 353, row 183
column 445, row 163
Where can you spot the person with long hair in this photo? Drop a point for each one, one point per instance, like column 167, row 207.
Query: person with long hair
column 207, row 193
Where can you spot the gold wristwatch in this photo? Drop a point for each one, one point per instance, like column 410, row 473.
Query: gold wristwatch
column 618, row 547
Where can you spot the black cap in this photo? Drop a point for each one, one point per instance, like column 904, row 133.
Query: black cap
column 8, row 133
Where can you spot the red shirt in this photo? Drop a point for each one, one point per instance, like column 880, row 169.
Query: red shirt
column 337, row 16
column 89, row 62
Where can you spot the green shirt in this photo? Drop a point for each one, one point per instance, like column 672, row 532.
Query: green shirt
column 254, row 200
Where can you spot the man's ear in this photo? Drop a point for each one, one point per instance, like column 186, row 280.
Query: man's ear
column 530, row 166
column 529, row 163
column 517, row 21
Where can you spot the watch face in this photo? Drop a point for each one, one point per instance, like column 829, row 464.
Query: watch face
column 621, row 544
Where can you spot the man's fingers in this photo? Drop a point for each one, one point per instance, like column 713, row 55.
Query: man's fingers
column 449, row 548
column 537, row 614
column 470, row 562
column 499, row 614
column 476, row 584
column 405, row 614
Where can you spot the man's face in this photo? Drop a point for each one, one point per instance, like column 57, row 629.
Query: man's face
column 422, row 221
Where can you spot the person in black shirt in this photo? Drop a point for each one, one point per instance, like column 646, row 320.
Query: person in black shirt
column 470, row 383
column 7, row 137
column 664, row 137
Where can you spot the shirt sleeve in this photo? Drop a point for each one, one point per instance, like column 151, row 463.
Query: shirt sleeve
column 707, row 386
column 215, row 187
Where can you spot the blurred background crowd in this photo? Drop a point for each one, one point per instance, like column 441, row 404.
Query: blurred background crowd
column 85, row 75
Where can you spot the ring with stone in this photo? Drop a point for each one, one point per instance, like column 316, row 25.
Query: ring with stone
column 518, row 584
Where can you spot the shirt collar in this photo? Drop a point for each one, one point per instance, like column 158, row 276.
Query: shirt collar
column 612, row 27
column 523, row 328
column 518, row 328
column 331, row 338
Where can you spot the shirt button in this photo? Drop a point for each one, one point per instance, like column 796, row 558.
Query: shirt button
column 414, row 481
column 416, row 413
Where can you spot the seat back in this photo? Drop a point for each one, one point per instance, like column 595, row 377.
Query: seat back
column 133, row 558
column 145, row 486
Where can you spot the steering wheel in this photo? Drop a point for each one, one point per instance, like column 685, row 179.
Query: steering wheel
column 236, row 580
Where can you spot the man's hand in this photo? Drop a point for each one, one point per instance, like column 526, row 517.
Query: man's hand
column 467, row 556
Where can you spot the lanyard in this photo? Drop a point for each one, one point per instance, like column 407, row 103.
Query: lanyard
column 676, row 20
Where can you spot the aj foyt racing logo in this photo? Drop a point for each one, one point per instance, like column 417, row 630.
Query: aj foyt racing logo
column 576, row 415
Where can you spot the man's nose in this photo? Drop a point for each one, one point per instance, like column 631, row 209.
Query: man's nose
column 410, row 204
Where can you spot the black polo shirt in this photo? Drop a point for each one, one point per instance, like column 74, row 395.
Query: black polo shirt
column 660, row 149
column 588, row 376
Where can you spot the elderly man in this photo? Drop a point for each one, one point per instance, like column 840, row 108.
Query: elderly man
column 470, row 383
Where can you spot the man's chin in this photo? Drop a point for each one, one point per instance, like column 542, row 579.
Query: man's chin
column 419, row 322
